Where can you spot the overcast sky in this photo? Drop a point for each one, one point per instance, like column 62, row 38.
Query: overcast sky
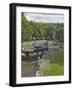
column 45, row 17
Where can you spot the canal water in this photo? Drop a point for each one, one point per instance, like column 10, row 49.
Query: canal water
column 30, row 68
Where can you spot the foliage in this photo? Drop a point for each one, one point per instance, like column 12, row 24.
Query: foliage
column 40, row 31
column 26, row 29
column 60, row 35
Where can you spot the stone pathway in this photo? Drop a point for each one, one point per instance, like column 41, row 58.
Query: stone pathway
column 43, row 64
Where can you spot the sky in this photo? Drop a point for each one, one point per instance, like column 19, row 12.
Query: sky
column 45, row 17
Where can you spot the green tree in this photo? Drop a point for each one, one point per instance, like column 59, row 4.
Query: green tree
column 50, row 33
column 26, row 29
column 60, row 35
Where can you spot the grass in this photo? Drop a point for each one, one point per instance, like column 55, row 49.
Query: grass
column 58, row 57
column 56, row 65
column 55, row 69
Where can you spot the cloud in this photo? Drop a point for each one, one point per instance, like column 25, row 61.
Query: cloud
column 45, row 17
